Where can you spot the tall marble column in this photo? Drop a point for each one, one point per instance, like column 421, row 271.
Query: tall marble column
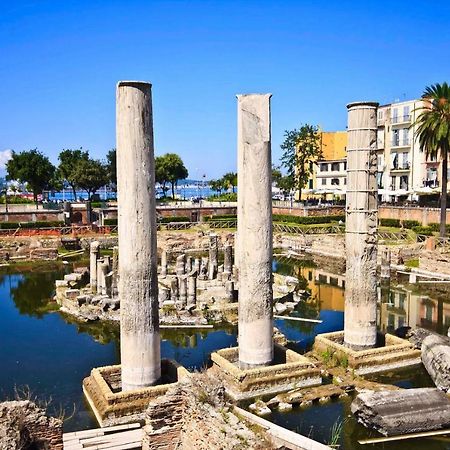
column 138, row 283
column 360, row 316
column 255, row 231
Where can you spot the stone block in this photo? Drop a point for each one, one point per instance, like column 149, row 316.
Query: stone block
column 397, row 353
column 436, row 359
column 290, row 370
column 112, row 406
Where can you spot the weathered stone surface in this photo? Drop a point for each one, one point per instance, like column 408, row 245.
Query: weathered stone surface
column 254, row 236
column 417, row 336
column 194, row 415
column 23, row 424
column 138, row 277
column 436, row 359
column 402, row 411
column 360, row 320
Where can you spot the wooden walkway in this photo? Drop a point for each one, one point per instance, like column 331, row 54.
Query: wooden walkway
column 120, row 437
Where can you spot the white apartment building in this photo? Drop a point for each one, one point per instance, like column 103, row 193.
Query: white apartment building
column 404, row 172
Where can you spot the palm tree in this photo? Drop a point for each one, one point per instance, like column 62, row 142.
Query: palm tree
column 433, row 131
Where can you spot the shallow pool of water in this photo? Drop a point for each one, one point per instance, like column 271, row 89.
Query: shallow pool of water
column 51, row 353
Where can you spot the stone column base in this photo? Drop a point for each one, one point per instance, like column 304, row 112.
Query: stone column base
column 289, row 370
column 397, row 353
column 111, row 406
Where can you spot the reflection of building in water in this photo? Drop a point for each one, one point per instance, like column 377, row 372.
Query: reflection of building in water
column 326, row 287
column 407, row 308
column 397, row 305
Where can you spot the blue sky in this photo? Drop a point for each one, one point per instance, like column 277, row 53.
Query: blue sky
column 60, row 61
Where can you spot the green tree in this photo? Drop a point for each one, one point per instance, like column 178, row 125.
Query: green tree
column 230, row 180
column 217, row 185
column 171, row 170
column 91, row 175
column 111, row 164
column 301, row 149
column 33, row 168
column 161, row 173
column 433, row 131
column 67, row 168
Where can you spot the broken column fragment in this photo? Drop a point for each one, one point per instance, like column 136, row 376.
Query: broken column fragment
column 213, row 256
column 436, row 359
column 360, row 318
column 191, row 291
column 255, row 231
column 404, row 411
column 228, row 260
column 138, row 283
column 180, row 265
column 94, row 251
column 164, row 263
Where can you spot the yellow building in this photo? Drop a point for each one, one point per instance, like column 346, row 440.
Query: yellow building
column 328, row 179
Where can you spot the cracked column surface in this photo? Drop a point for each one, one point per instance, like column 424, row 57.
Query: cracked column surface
column 254, row 231
column 138, row 283
column 360, row 318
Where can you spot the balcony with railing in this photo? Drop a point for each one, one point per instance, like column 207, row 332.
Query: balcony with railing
column 400, row 120
column 431, row 183
column 399, row 167
column 401, row 142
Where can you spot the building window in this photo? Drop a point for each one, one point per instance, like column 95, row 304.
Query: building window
column 380, row 180
column 324, row 167
column 395, row 138
column 310, row 184
column 405, row 140
column 405, row 113
column 380, row 115
column 405, row 160
column 345, row 165
column 393, row 183
column 395, row 115
column 404, row 182
column 335, row 181
column 335, row 167
column 324, row 181
column 345, row 180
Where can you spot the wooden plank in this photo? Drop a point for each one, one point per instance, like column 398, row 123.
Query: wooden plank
column 94, row 431
column 299, row 319
column 186, row 326
column 127, row 436
column 404, row 437
column 290, row 439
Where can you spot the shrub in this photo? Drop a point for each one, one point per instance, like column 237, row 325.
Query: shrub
column 226, row 197
column 425, row 231
column 170, row 219
column 30, row 225
column 390, row 223
column 220, row 217
column 308, row 220
column 411, row 224
column 110, row 222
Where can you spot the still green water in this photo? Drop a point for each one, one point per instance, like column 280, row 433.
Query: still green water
column 51, row 353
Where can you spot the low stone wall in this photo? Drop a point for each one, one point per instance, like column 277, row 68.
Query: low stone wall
column 32, row 216
column 194, row 415
column 304, row 212
column 25, row 425
column 423, row 215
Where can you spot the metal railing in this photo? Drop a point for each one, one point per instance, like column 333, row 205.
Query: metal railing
column 401, row 119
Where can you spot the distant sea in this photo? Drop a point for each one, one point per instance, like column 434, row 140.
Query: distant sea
column 185, row 192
